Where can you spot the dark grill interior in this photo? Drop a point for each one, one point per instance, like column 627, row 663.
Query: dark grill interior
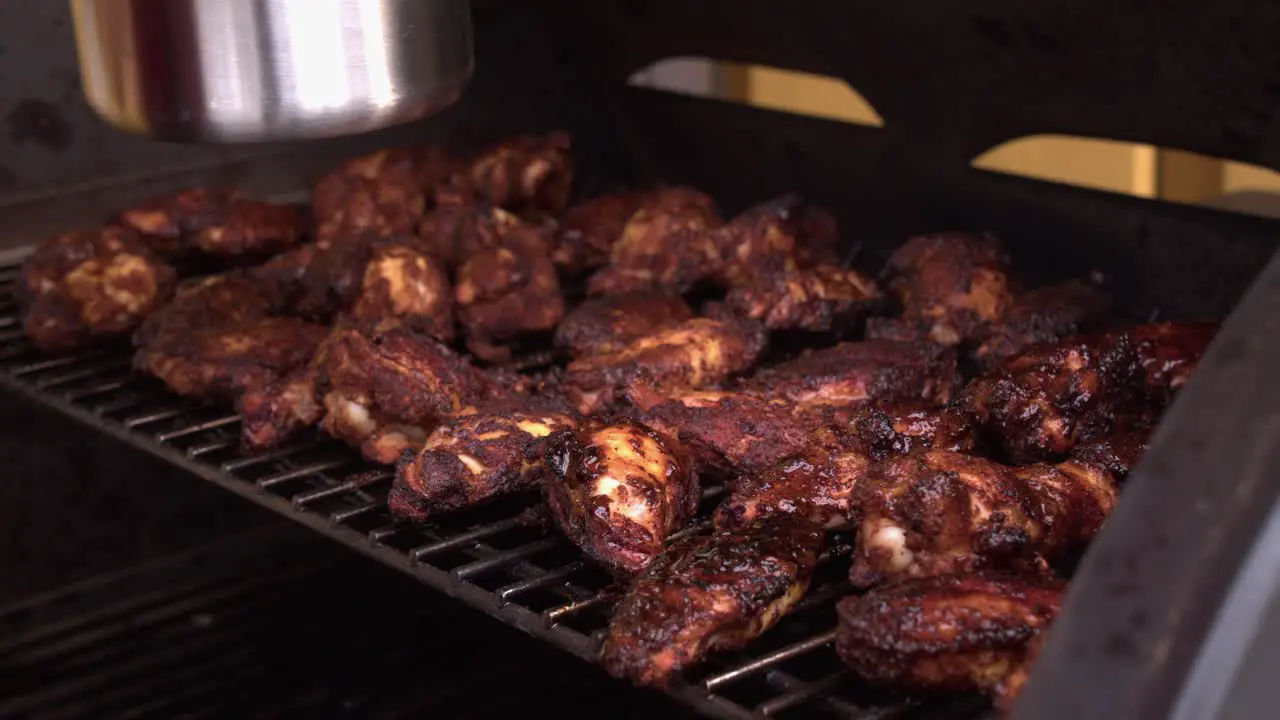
column 500, row 558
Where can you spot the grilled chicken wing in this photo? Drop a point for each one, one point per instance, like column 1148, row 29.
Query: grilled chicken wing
column 223, row 360
column 710, row 593
column 818, row 299
column 588, row 231
column 885, row 429
column 275, row 412
column 1169, row 353
column 693, row 354
column 1039, row 405
column 215, row 223
column 817, row 485
column 395, row 382
column 384, row 193
column 855, row 371
column 81, row 287
column 951, row 286
column 948, row 633
column 1043, row 315
column 933, row 512
column 619, row 490
column 523, row 174
column 606, row 325
column 781, row 235
column 663, row 247
column 404, row 286
column 477, row 455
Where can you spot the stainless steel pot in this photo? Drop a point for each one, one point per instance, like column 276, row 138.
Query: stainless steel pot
column 235, row 71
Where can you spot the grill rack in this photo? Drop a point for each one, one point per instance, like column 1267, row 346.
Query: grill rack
column 499, row 558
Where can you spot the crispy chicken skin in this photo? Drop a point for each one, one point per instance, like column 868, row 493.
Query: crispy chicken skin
column 947, row 633
column 854, row 371
column 885, row 429
column 710, row 593
column 781, row 235
column 818, row 299
column 931, row 513
column 526, row 173
column 477, row 455
column 951, row 286
column 404, row 286
column 504, row 293
column 1040, row 404
column 664, row 246
column 215, row 222
column 225, row 299
column 588, row 231
column 397, row 382
column 816, row 485
column 275, row 412
column 1042, row 315
column 694, row 354
column 1009, row 689
column 605, row 325
column 618, row 490
column 221, row 361
column 1118, row 452
column 1169, row 353
column 384, row 193
column 81, row 287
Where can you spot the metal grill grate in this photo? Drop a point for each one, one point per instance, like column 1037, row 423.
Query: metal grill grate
column 498, row 558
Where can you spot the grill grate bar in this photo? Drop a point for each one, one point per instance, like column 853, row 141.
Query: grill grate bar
column 299, row 472
column 551, row 577
column 54, row 363
column 196, row 451
column 556, row 614
column 156, row 416
column 241, row 463
column 418, row 554
column 802, row 693
column 768, row 661
column 505, row 558
column 198, row 428
column 84, row 373
column 99, row 389
column 351, row 484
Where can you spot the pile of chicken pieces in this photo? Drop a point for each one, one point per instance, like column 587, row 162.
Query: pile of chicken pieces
column 970, row 434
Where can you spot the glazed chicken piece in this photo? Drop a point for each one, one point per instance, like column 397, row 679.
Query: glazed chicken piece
column 618, row 490
column 215, row 222
column 384, row 193
column 82, row 287
column 951, row 287
column 221, row 361
column 947, row 633
column 273, row 413
column 606, row 325
column 524, row 174
column 1043, row 315
column 1120, row 451
column 664, row 246
column 816, row 485
column 230, row 298
column 818, row 299
column 477, row 455
column 710, row 593
column 777, row 236
column 284, row 273
column 1169, row 353
column 883, row 429
column 388, row 390
column 851, row 372
column 504, row 293
column 1040, row 404
column 588, row 231
column 694, row 354
column 933, row 512
column 1009, row 689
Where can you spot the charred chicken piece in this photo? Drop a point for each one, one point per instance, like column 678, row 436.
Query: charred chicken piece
column 404, row 286
column 1169, row 353
column 710, row 593
column 393, row 388
column 527, row 173
column 275, row 412
column 664, row 246
column 221, row 361
column 694, row 354
column 1118, row 452
column 504, row 293
column 1009, row 689
column 816, row 485
column 1043, row 315
column 1039, row 405
column 588, row 231
column 215, row 222
column 781, row 235
column 887, row 429
column 818, row 299
column 81, row 287
column 605, row 325
column 476, row 456
column 384, row 193
column 951, row 287
column 231, row 298
column 851, row 372
column 284, row 273
column 618, row 491
column 459, row 228
column 948, row 633
column 932, row 513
